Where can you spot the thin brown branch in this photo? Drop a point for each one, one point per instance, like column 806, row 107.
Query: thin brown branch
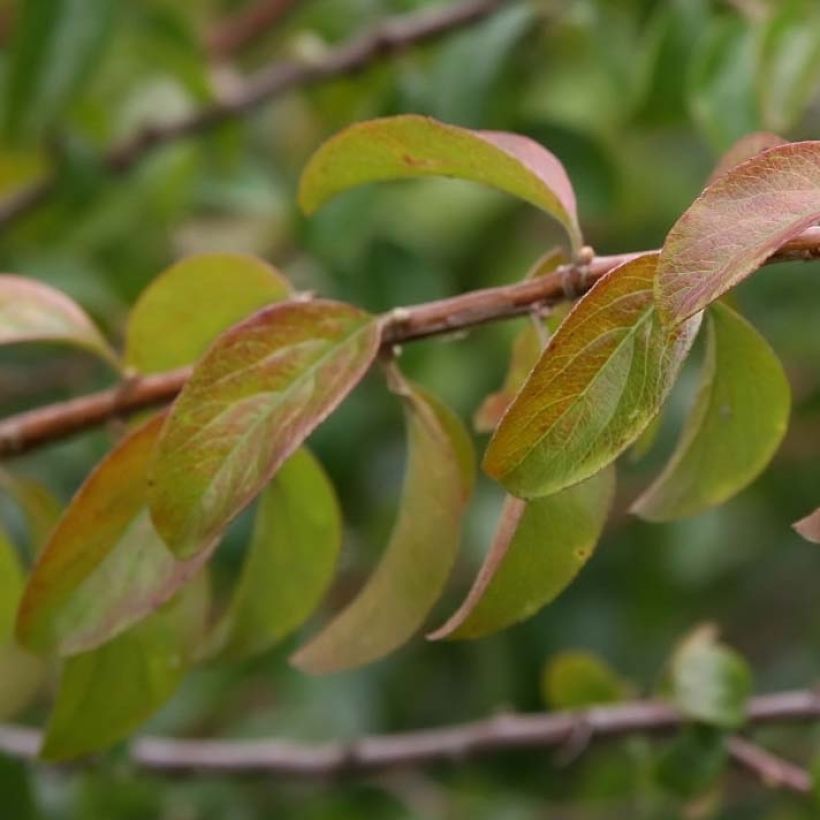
column 453, row 744
column 389, row 37
column 25, row 431
column 773, row 771
column 245, row 27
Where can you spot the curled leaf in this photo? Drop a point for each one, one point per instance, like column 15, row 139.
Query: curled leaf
column 410, row 146
column 412, row 573
column 254, row 397
column 104, row 566
column 31, row 311
column 739, row 418
column 296, row 538
column 809, row 527
column 740, row 220
column 600, row 381
column 540, row 546
column 181, row 312
column 106, row 693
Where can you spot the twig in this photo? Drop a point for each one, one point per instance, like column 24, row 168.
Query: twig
column 420, row 748
column 249, row 24
column 773, row 771
column 28, row 430
column 389, row 37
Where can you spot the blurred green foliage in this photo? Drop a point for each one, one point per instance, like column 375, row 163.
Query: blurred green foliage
column 637, row 98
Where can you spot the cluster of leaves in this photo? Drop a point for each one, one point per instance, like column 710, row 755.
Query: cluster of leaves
column 119, row 591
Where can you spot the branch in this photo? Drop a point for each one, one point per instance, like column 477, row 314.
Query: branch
column 452, row 744
column 773, row 771
column 25, row 431
column 247, row 25
column 389, row 37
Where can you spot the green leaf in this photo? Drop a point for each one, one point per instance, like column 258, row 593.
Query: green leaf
column 56, row 46
column 181, row 312
column 33, row 312
column 254, row 397
column 422, row 549
column 739, row 418
column 748, row 146
column 735, row 225
column 290, row 561
column 693, row 762
column 598, row 384
column 576, row 679
column 710, row 682
column 104, row 567
column 809, row 527
column 106, row 693
column 539, row 548
column 39, row 506
column 410, row 146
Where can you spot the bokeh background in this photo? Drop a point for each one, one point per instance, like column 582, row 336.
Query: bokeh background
column 638, row 99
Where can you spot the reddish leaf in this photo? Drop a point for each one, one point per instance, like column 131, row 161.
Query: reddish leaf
column 412, row 146
column 254, row 397
column 745, row 148
column 735, row 225
column 809, row 527
column 104, row 567
column 413, row 571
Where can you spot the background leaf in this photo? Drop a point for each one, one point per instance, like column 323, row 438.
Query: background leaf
column 33, row 312
column 290, row 561
column 414, row 568
column 748, row 146
column 598, row 384
column 104, row 567
column 538, row 549
column 106, row 693
column 181, row 312
column 40, row 507
column 738, row 420
column 735, row 224
column 263, row 386
column 411, row 146
column 575, row 679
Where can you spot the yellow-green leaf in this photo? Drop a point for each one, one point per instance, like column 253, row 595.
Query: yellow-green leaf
column 104, row 567
column 31, row 311
column 809, row 527
column 412, row 573
column 741, row 219
column 183, row 310
column 576, row 679
column 39, row 506
column 254, row 397
column 410, row 146
column 290, row 561
column 739, row 418
column 539, row 547
column 106, row 693
column 598, row 384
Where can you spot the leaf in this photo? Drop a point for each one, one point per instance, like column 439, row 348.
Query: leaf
column 739, row 418
column 21, row 674
column 254, row 397
column 55, row 48
column 39, row 506
column 598, row 384
column 412, row 146
column 33, row 312
column 693, row 761
column 576, row 679
column 809, row 527
column 413, row 570
column 745, row 148
column 539, row 548
column 709, row 681
column 106, row 693
column 180, row 313
column 290, row 561
column 735, row 225
column 104, row 567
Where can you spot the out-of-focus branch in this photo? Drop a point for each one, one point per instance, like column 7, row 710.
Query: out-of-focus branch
column 453, row 744
column 31, row 429
column 773, row 771
column 246, row 26
column 389, row 37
